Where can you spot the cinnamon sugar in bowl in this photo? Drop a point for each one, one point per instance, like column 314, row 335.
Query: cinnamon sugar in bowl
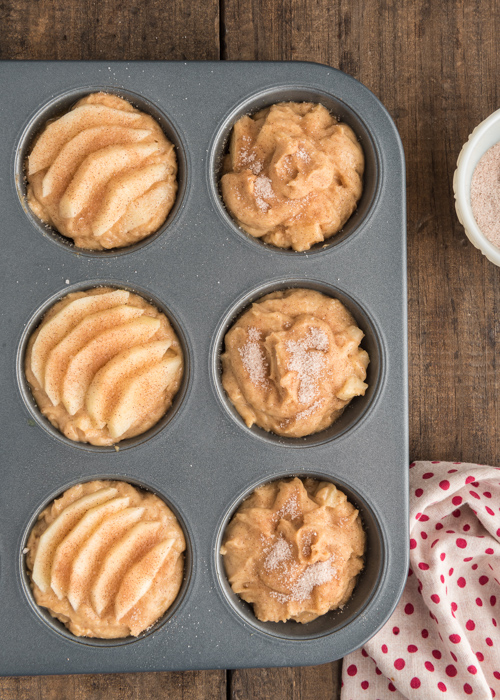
column 482, row 139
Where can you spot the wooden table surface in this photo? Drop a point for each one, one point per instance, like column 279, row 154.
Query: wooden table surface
column 435, row 65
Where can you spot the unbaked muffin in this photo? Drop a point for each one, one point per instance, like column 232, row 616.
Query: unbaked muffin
column 294, row 549
column 292, row 362
column 293, row 174
column 104, row 174
column 106, row 558
column 103, row 365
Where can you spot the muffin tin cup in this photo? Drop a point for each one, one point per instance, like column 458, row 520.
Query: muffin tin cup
column 360, row 406
column 366, row 585
column 56, row 625
column 372, row 178
column 25, row 389
column 60, row 105
column 202, row 271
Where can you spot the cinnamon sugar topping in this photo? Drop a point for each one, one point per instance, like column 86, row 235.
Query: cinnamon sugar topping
column 307, row 359
column 253, row 358
column 263, row 190
column 278, row 554
column 315, row 575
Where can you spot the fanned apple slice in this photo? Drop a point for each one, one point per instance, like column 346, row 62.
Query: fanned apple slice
column 84, row 365
column 72, row 155
column 63, row 129
column 67, row 318
column 108, row 379
column 141, row 394
column 57, row 530
column 89, row 557
column 60, row 356
column 124, row 190
column 138, row 580
column 96, row 170
column 154, row 204
column 116, row 562
column 68, row 548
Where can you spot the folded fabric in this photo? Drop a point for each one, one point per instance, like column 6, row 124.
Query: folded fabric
column 443, row 639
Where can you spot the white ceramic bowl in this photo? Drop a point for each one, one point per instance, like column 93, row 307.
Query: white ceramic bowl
column 484, row 136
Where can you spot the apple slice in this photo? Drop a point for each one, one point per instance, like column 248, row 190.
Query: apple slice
column 124, row 190
column 89, row 558
column 69, row 125
column 117, row 561
column 60, row 356
column 96, row 170
column 154, row 204
column 58, row 530
column 108, row 379
column 67, row 318
column 72, row 155
column 68, row 548
column 141, row 394
column 84, row 365
column 138, row 580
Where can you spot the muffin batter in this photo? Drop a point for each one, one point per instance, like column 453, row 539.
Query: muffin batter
column 293, row 175
column 294, row 549
column 106, row 559
column 293, row 362
column 104, row 365
column 104, row 174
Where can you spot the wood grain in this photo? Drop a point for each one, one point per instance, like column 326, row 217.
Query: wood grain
column 110, row 30
column 191, row 685
column 305, row 683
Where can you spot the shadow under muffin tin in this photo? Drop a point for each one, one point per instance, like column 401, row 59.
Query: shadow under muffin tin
column 203, row 271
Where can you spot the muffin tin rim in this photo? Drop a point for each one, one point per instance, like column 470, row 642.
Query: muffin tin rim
column 22, row 146
column 212, row 173
column 179, row 400
column 43, row 615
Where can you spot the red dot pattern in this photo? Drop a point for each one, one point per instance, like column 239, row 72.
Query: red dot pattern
column 455, row 509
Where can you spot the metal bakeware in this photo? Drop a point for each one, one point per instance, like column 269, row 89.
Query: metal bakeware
column 202, row 270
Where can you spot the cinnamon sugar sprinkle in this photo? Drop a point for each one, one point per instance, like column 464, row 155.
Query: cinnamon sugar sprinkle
column 263, row 189
column 279, row 553
column 307, row 359
column 280, row 560
column 253, row 358
column 247, row 156
column 315, row 575
column 290, row 508
column 303, row 155
column 308, row 412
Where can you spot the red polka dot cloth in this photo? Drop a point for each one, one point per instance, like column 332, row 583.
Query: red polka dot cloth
column 443, row 640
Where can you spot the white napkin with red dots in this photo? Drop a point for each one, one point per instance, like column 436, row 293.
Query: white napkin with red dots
column 443, row 639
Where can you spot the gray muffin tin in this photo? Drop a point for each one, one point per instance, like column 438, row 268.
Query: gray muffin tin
column 202, row 270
